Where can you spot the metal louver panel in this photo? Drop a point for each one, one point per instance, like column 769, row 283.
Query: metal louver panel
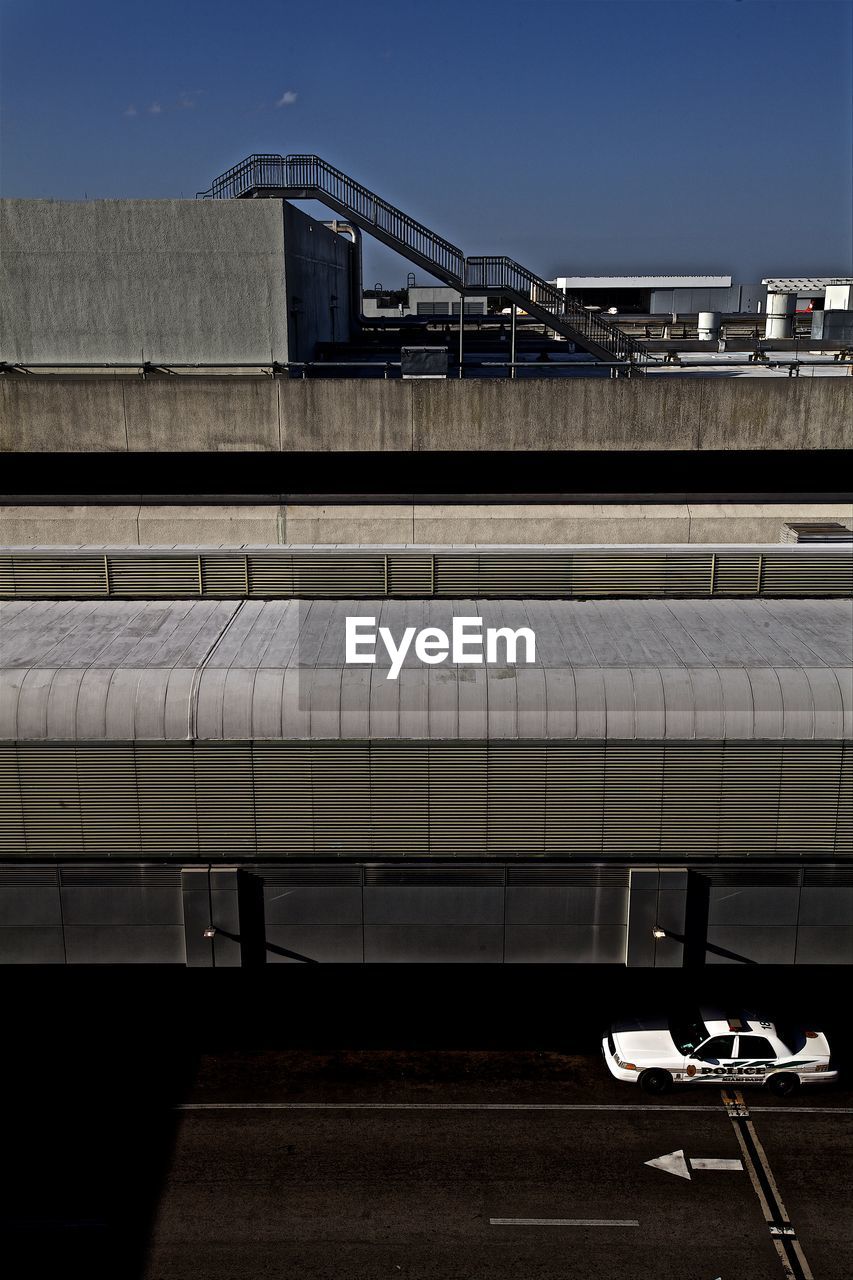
column 749, row 799
column 516, row 810
column 138, row 576
column 155, row 876
column 439, row 876
column 844, row 824
column 574, row 799
column 517, row 575
column 400, row 799
column 633, row 785
column 828, row 877
column 322, row 576
column 458, row 800
column 807, row 576
column 282, row 574
column 605, row 575
column 808, row 801
column 225, row 800
column 7, row 576
column 109, row 807
column 225, row 575
column 576, row 877
column 738, row 575
column 284, row 809
column 643, row 801
column 50, row 798
column 167, row 800
column 690, row 807
column 12, row 831
column 457, row 575
column 755, row 877
column 340, row 784
column 55, row 576
column 336, row 876
column 29, row 877
column 270, row 576
column 410, row 575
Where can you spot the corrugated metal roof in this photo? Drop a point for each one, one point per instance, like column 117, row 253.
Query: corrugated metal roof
column 617, row 669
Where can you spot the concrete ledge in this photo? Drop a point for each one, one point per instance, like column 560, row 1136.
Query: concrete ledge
column 394, row 524
column 202, row 414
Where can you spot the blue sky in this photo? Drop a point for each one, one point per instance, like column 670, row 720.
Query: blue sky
column 579, row 137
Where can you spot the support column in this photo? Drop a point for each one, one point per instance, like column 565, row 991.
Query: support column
column 211, row 900
column 657, row 900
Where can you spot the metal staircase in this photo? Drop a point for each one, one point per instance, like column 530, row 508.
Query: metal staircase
column 310, row 178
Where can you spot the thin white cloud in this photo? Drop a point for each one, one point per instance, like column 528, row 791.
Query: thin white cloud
column 155, row 109
column 131, row 111
column 288, row 98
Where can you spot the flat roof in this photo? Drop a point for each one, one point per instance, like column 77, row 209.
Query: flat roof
column 643, row 282
column 115, row 671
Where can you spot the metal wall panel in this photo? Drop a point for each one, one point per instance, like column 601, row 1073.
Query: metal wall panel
column 577, row 905
column 751, row 944
column 565, row 944
column 433, row 905
column 31, row 945
column 125, row 944
column 314, row 944
column 433, row 944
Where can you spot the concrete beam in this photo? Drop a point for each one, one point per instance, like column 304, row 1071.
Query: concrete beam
column 395, row 523
column 201, row 414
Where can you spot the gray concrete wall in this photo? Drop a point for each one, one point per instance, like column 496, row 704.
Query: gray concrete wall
column 159, row 280
column 202, row 413
column 259, row 524
column 319, row 267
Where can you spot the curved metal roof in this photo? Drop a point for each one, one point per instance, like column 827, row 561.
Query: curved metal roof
column 237, row 670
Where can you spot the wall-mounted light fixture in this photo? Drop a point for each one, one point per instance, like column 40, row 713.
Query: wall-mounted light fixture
column 210, row 931
column 658, row 932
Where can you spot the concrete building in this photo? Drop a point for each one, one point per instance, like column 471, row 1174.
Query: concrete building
column 169, row 282
column 177, row 765
column 662, row 294
column 193, row 768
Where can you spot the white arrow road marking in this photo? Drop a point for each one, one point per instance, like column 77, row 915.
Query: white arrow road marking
column 676, row 1164
column 563, row 1222
column 732, row 1165
column 672, row 1163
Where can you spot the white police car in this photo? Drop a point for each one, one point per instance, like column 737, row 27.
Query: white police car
column 708, row 1047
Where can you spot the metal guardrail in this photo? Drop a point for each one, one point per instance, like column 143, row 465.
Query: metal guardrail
column 310, row 177
column 498, row 273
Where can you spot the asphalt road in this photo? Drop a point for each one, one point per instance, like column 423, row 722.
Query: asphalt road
column 372, row 1164
column 162, row 1127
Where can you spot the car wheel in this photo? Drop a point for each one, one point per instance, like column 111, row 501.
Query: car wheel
column 655, row 1081
column 783, row 1084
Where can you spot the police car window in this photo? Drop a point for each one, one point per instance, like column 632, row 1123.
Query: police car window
column 755, row 1047
column 719, row 1047
column 687, row 1033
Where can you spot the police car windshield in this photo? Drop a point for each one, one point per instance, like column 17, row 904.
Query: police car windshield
column 688, row 1033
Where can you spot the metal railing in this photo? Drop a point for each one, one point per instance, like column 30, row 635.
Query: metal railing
column 504, row 275
column 309, row 177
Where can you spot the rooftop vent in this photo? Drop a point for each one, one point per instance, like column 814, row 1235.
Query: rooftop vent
column 816, row 531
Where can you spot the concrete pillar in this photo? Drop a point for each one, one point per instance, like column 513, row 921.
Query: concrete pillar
column 780, row 315
column 657, row 899
column 211, row 898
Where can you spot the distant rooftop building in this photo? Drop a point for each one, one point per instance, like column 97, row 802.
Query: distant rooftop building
column 643, row 282
column 663, row 294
